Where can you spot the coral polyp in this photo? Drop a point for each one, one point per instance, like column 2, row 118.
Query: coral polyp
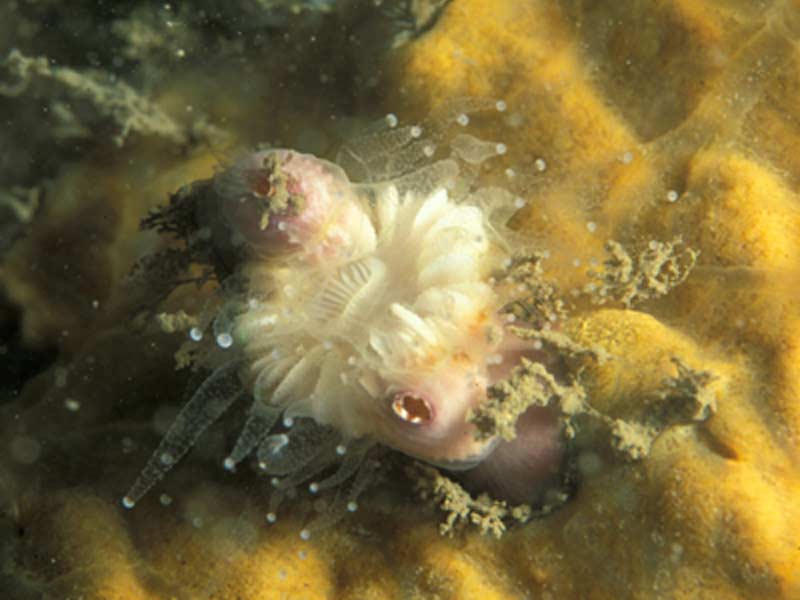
column 360, row 316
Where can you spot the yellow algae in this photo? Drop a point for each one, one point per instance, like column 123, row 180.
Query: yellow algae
column 83, row 548
column 745, row 216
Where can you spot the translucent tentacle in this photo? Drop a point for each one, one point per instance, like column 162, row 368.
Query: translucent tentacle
column 353, row 457
column 285, row 453
column 259, row 422
column 208, row 403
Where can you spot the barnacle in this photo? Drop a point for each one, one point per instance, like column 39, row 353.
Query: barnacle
column 361, row 315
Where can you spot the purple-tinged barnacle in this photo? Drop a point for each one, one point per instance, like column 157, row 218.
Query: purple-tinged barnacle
column 281, row 201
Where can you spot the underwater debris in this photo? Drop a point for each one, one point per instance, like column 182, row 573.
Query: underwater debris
column 18, row 207
column 489, row 515
column 684, row 399
column 82, row 101
column 530, row 384
column 657, row 270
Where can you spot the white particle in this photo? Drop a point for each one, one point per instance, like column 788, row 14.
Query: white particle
column 305, row 534
column 510, row 173
column 462, row 120
column 351, row 360
column 224, row 340
column 537, row 344
column 282, row 226
column 341, row 449
column 576, row 262
column 672, row 196
column 391, row 120
column 180, row 53
column 228, row 464
column 352, row 506
column 428, row 151
column 519, row 202
column 591, row 226
column 540, row 164
column 72, row 405
column 627, row 158
column 313, row 487
column 302, row 554
column 501, row 148
column 166, row 459
column 501, row 105
column 95, row 304
column 277, row 442
column 196, row 334
column 416, row 131
column 165, row 499
column 128, row 502
column 275, row 481
column 271, row 517
column 288, row 422
column 197, row 522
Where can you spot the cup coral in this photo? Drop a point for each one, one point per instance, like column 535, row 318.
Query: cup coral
column 359, row 315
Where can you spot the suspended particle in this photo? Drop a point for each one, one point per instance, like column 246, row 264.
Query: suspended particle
column 305, row 535
column 519, row 202
column 313, row 487
column 224, row 340
column 341, row 449
column 165, row 499
column 501, row 105
column 540, row 164
column 195, row 334
column 672, row 196
column 277, row 442
column 391, row 120
column 462, row 120
column 591, row 226
column 428, row 150
column 501, row 149
column 416, row 131
column 128, row 502
column 352, row 506
column 72, row 405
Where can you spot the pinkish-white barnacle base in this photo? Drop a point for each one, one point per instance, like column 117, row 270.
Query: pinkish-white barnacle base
column 367, row 315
